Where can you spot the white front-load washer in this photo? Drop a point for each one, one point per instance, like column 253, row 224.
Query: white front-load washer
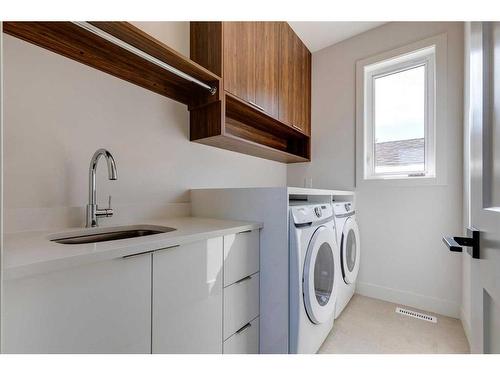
column 314, row 276
column 349, row 244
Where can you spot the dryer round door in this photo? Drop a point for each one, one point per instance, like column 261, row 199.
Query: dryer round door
column 349, row 251
column 319, row 276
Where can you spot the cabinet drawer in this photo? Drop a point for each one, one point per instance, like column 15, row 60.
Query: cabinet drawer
column 241, row 304
column 245, row 340
column 241, row 256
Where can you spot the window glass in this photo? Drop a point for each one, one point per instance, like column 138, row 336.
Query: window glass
column 399, row 119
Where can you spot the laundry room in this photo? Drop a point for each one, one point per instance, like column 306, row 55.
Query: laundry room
column 217, row 182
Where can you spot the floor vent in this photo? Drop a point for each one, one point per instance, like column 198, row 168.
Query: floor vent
column 417, row 315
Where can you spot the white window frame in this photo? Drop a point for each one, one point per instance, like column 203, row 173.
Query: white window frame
column 425, row 58
column 430, row 53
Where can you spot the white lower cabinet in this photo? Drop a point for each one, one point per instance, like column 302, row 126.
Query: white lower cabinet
column 171, row 300
column 103, row 307
column 187, row 298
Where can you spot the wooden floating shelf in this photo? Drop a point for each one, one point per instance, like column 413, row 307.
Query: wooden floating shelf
column 70, row 40
column 240, row 110
column 234, row 125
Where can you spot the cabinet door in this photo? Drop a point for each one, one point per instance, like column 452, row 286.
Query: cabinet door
column 295, row 81
column 305, row 92
column 99, row 308
column 251, row 63
column 239, row 59
column 267, row 39
column 187, row 298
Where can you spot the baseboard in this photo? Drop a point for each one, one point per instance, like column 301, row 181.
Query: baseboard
column 465, row 325
column 419, row 301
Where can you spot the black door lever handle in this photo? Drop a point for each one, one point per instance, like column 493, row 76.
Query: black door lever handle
column 452, row 244
column 456, row 243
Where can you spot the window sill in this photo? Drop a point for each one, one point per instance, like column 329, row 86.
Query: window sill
column 400, row 177
column 402, row 181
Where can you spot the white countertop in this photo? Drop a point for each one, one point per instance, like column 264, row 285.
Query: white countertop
column 290, row 190
column 310, row 191
column 29, row 253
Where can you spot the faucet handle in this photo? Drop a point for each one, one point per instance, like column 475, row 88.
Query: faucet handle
column 108, row 212
column 104, row 212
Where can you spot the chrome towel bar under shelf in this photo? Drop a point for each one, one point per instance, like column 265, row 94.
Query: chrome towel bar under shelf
column 110, row 38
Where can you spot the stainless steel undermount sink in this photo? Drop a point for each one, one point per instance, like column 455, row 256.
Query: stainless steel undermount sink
column 92, row 235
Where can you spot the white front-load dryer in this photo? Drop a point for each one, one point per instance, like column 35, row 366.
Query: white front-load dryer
column 314, row 276
column 349, row 244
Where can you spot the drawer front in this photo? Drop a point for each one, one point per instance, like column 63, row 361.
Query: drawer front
column 241, row 256
column 241, row 304
column 245, row 341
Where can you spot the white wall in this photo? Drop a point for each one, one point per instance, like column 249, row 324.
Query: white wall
column 403, row 258
column 58, row 112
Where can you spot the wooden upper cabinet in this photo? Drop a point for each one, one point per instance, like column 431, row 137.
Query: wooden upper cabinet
column 295, row 81
column 263, row 63
column 265, row 106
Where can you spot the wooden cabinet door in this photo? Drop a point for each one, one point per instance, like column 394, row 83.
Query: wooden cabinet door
column 267, row 66
column 103, row 307
column 251, row 63
column 239, row 59
column 305, row 92
column 187, row 298
column 294, row 87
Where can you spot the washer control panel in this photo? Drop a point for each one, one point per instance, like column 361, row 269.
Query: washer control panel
column 310, row 213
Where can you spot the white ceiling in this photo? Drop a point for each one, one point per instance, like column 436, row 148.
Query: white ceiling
column 318, row 35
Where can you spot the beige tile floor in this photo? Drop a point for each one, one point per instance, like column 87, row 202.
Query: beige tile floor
column 372, row 326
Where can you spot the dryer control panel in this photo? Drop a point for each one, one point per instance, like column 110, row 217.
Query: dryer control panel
column 343, row 209
column 310, row 213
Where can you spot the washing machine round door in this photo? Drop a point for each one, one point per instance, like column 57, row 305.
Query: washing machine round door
column 319, row 276
column 349, row 251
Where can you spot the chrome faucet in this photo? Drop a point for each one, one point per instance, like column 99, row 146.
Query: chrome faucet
column 94, row 212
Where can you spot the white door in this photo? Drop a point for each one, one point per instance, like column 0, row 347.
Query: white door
column 187, row 298
column 319, row 276
column 485, row 185
column 350, row 251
